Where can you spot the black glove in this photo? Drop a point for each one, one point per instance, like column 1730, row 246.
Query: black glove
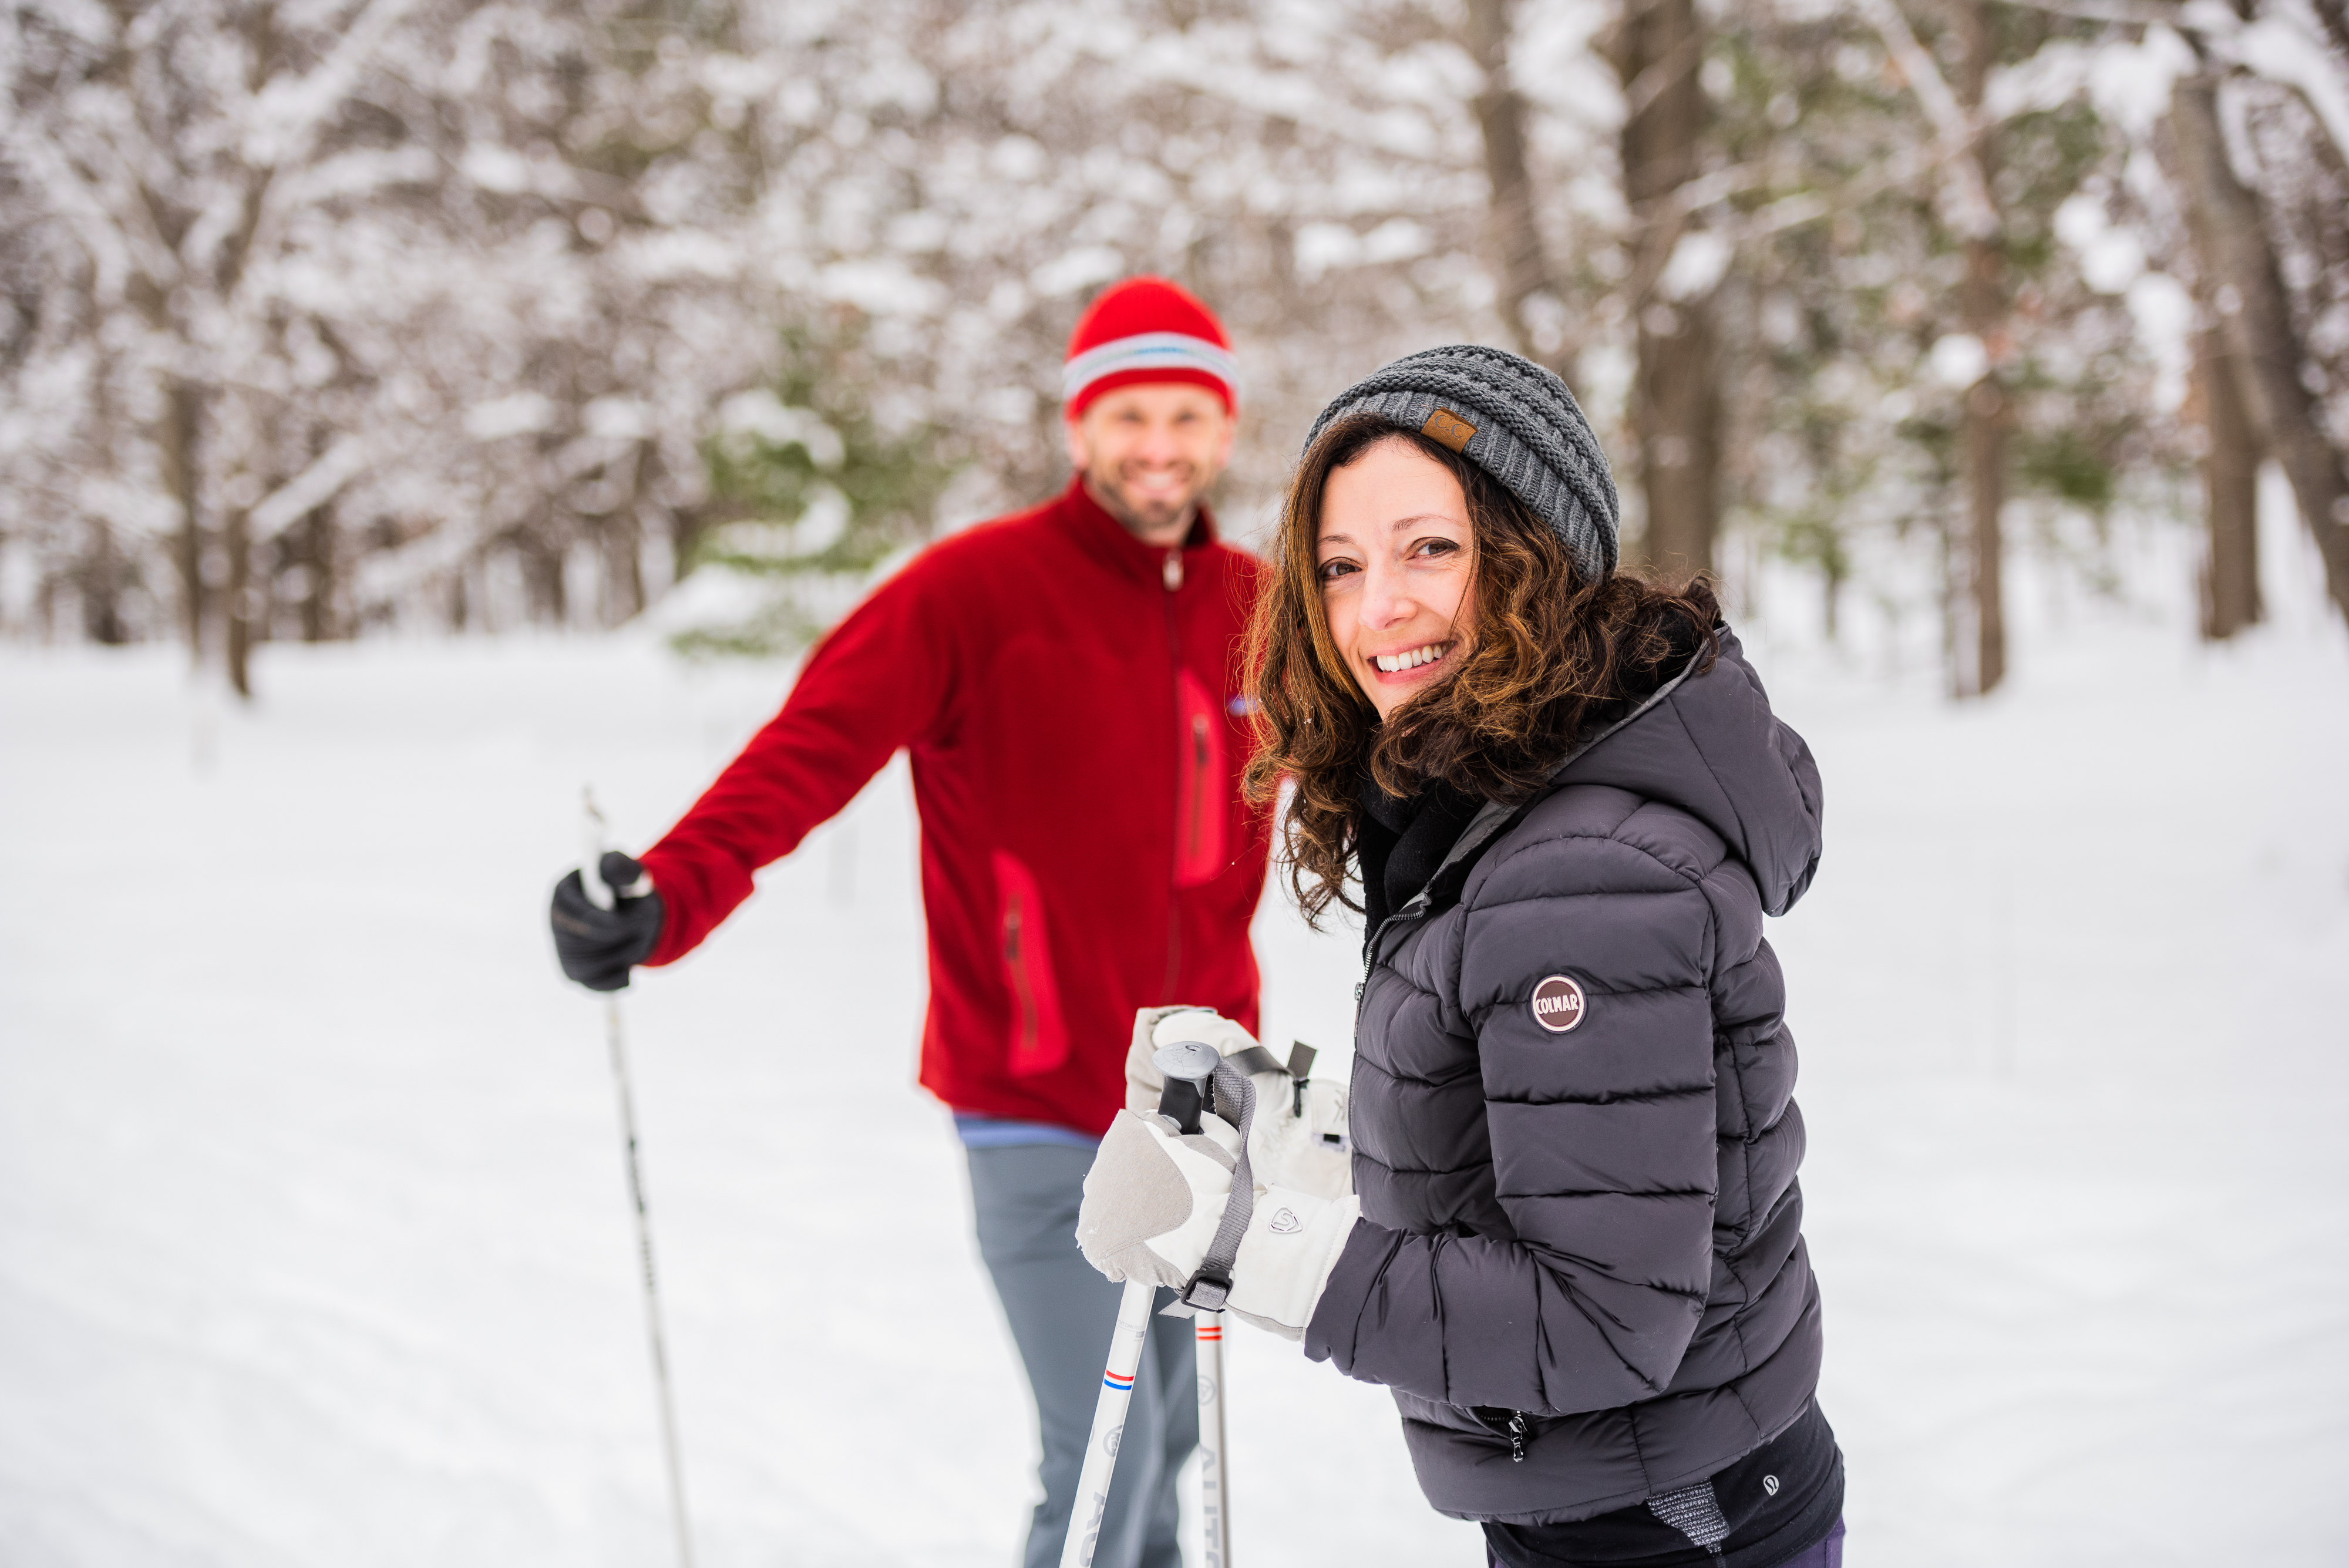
column 598, row 947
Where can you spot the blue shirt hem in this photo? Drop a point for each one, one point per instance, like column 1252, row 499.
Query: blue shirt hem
column 996, row 1132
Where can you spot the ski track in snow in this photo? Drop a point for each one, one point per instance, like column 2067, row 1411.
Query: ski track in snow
column 316, row 1249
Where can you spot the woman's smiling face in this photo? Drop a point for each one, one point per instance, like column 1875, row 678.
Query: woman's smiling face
column 1396, row 560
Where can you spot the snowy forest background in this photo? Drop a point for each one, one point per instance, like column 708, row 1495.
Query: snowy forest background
column 436, row 372
column 321, row 317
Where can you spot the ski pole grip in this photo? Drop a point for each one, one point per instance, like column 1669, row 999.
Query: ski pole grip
column 1187, row 1066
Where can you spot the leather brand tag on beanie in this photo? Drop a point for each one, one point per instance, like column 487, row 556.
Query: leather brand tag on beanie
column 1448, row 428
column 1557, row 1004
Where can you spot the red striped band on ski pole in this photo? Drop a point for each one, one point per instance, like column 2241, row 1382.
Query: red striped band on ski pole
column 1120, row 1381
column 1210, row 1331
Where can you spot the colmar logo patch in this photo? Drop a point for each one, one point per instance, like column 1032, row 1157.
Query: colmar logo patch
column 1287, row 1223
column 1557, row 1004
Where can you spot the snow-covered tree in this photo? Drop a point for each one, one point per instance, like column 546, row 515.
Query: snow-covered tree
column 327, row 314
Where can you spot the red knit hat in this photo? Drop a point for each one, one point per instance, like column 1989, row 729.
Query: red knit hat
column 1146, row 329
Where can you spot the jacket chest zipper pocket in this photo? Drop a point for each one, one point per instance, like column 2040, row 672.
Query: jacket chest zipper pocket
column 1195, row 829
column 1037, row 1039
column 1023, row 985
column 1200, row 808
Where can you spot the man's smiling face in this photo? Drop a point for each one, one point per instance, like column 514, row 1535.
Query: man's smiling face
column 1149, row 453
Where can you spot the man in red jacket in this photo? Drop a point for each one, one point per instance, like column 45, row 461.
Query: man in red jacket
column 1067, row 683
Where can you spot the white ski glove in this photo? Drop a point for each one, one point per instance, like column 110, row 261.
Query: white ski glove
column 1302, row 1146
column 1156, row 1196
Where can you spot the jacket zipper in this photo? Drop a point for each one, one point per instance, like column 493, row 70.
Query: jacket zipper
column 1172, row 576
column 1521, row 1432
column 1369, row 967
column 1023, row 986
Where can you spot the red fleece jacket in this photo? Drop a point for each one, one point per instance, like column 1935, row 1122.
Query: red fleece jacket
column 1070, row 699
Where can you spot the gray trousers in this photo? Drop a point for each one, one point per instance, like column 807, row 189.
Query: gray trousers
column 1061, row 1313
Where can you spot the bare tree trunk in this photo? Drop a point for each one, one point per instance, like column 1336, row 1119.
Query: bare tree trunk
column 544, row 562
column 318, row 556
column 624, row 553
column 177, row 442
column 105, row 574
column 2336, row 17
column 2231, row 468
column 689, row 525
column 240, row 599
column 1514, row 237
column 101, row 581
column 1679, row 416
column 1988, row 416
column 2231, row 243
column 1676, row 402
column 626, row 566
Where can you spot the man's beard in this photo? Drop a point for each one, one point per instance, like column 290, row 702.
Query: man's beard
column 1142, row 515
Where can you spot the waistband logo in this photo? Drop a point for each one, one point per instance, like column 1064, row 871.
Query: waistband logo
column 1557, row 1004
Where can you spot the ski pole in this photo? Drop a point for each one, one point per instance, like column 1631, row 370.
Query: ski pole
column 1188, row 1065
column 1215, row 1500
column 1092, row 1501
column 1184, row 1098
column 591, row 874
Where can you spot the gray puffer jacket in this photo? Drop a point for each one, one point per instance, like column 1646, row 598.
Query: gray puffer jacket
column 1580, row 1263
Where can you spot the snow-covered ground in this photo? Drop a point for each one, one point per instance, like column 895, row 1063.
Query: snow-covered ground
column 313, row 1239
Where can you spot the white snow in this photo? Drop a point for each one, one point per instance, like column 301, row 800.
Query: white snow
column 317, row 1250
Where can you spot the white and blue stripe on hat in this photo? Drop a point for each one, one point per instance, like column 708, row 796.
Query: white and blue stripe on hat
column 1150, row 351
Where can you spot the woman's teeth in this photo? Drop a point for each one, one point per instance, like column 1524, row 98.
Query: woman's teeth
column 1391, row 662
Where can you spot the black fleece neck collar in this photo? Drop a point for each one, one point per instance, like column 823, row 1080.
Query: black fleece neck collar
column 1403, row 841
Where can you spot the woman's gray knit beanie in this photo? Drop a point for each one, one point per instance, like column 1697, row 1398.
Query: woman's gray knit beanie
column 1510, row 418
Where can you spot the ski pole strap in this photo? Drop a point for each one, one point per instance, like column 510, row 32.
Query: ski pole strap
column 1212, row 1284
column 1256, row 1062
column 1256, row 1059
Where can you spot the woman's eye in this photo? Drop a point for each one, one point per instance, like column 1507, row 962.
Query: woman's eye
column 1434, row 547
column 1331, row 571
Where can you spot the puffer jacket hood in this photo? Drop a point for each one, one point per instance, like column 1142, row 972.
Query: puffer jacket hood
column 1579, row 1265
column 1712, row 747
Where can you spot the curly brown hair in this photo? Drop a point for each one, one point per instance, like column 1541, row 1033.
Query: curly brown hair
column 1553, row 652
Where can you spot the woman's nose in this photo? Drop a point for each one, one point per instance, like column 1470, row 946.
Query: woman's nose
column 1386, row 601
